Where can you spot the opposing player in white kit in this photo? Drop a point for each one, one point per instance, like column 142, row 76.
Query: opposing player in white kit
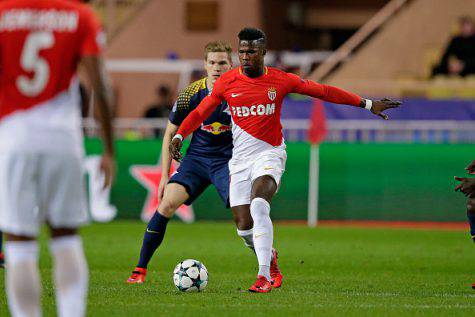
column 41, row 145
column 254, row 94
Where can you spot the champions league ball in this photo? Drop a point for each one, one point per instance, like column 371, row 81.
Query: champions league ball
column 190, row 276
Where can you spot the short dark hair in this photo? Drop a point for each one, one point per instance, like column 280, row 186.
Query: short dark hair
column 252, row 34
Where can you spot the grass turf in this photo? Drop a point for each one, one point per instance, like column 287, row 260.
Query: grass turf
column 327, row 271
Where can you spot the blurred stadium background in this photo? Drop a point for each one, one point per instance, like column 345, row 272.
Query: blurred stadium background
column 399, row 170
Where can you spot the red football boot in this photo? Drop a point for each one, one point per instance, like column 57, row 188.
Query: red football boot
column 473, row 286
column 275, row 275
column 138, row 276
column 262, row 285
column 2, row 260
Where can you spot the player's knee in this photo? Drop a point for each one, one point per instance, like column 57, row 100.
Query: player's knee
column 62, row 232
column 167, row 208
column 14, row 237
column 471, row 206
column 264, row 187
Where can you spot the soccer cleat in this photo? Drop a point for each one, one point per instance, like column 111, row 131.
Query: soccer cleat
column 262, row 285
column 138, row 276
column 275, row 275
column 473, row 286
column 2, row 261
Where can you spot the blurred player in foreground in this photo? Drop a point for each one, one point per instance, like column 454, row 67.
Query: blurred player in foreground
column 2, row 258
column 255, row 94
column 467, row 187
column 205, row 163
column 41, row 145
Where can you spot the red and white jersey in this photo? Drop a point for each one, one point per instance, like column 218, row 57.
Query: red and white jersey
column 256, row 104
column 41, row 44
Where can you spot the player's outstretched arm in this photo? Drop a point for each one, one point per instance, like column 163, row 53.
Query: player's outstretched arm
column 170, row 131
column 340, row 96
column 192, row 122
column 95, row 70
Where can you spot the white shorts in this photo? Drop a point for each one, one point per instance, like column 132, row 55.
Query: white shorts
column 37, row 188
column 243, row 174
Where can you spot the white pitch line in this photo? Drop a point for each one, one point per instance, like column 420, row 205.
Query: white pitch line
column 402, row 295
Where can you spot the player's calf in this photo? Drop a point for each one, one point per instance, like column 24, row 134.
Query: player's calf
column 70, row 274
column 152, row 238
column 471, row 216
column 244, row 223
column 22, row 278
column 263, row 234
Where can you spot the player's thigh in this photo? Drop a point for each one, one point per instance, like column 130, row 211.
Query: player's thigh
column 267, row 172
column 240, row 187
column 220, row 179
column 264, row 186
column 62, row 192
column 19, row 215
column 174, row 196
column 193, row 175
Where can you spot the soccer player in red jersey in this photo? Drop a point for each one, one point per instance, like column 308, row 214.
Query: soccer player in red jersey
column 211, row 146
column 255, row 94
column 42, row 42
column 205, row 163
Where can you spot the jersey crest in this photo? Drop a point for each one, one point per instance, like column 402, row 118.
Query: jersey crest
column 272, row 93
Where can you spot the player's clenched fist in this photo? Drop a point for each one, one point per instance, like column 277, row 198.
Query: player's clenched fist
column 175, row 147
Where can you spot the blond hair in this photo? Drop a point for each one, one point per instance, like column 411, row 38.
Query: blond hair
column 218, row 46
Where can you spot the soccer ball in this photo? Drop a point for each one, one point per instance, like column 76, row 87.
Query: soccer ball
column 190, row 276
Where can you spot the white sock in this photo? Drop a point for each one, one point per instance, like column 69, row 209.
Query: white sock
column 23, row 284
column 263, row 234
column 246, row 236
column 70, row 275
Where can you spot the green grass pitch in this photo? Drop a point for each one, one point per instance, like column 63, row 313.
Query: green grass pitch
column 328, row 271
